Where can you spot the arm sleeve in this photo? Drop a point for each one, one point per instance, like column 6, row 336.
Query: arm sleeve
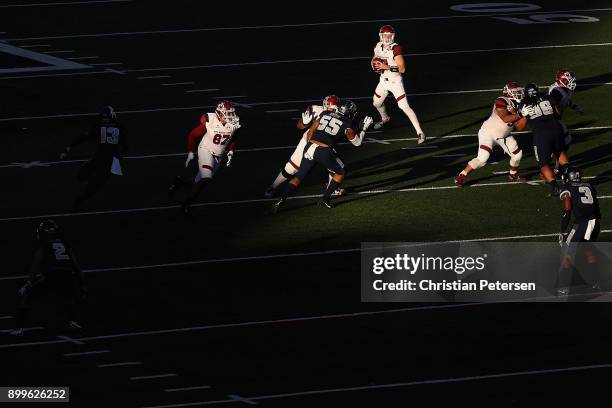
column 196, row 132
column 397, row 50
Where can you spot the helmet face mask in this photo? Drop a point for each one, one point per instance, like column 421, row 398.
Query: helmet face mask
column 514, row 91
column 571, row 174
column 331, row 103
column 531, row 93
column 226, row 113
column 108, row 114
column 566, row 79
column 386, row 34
column 46, row 229
column 348, row 109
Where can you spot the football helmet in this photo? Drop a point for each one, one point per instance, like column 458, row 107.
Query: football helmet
column 566, row 79
column 386, row 34
column 226, row 112
column 331, row 103
column 46, row 229
column 348, row 109
column 570, row 173
column 513, row 91
column 531, row 93
column 108, row 115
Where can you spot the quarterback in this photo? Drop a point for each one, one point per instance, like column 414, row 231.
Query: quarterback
column 388, row 61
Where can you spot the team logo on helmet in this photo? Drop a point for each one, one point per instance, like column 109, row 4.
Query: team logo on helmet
column 386, row 34
column 513, row 91
column 331, row 103
column 226, row 112
column 566, row 79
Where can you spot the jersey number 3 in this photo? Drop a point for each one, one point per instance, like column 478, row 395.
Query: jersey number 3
column 585, row 195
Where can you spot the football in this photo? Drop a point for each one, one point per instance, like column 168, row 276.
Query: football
column 375, row 64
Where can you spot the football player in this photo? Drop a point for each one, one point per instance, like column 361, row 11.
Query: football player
column 312, row 112
column 217, row 130
column 580, row 199
column 54, row 276
column 561, row 91
column 110, row 138
column 388, row 61
column 543, row 113
column 496, row 130
column 322, row 136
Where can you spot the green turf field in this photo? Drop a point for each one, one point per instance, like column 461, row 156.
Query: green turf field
column 163, row 71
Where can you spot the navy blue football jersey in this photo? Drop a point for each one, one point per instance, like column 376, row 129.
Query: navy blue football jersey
column 585, row 205
column 543, row 116
column 332, row 128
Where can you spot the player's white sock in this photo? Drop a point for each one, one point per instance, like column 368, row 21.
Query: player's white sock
column 383, row 113
column 403, row 105
column 280, row 179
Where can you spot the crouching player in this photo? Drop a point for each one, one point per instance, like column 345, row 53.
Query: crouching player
column 496, row 130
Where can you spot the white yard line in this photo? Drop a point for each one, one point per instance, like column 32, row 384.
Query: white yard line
column 252, row 400
column 59, row 52
column 106, row 64
column 84, row 58
column 5, row 317
column 35, row 46
column 176, row 83
column 298, row 25
column 86, row 353
column 64, row 3
column 71, row 340
column 122, row 364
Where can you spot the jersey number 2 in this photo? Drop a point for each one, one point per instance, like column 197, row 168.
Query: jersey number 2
column 60, row 251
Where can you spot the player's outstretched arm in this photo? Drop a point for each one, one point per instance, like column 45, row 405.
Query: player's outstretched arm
column 77, row 141
column 357, row 139
column 565, row 215
column 312, row 129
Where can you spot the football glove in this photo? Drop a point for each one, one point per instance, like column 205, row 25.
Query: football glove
column 561, row 240
column 526, row 111
column 190, row 156
column 64, row 154
column 367, row 122
column 306, row 118
column 230, row 156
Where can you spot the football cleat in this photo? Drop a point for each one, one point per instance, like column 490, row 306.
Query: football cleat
column 269, row 192
column 516, row 178
column 420, row 138
column 277, row 205
column 326, row 203
column 383, row 122
column 459, row 180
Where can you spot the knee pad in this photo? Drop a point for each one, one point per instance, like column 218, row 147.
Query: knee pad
column 289, row 170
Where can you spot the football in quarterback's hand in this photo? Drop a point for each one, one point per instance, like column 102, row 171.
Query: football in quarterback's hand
column 376, row 62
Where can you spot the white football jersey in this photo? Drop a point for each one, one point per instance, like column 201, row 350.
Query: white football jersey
column 566, row 95
column 388, row 53
column 217, row 136
column 494, row 124
column 315, row 111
